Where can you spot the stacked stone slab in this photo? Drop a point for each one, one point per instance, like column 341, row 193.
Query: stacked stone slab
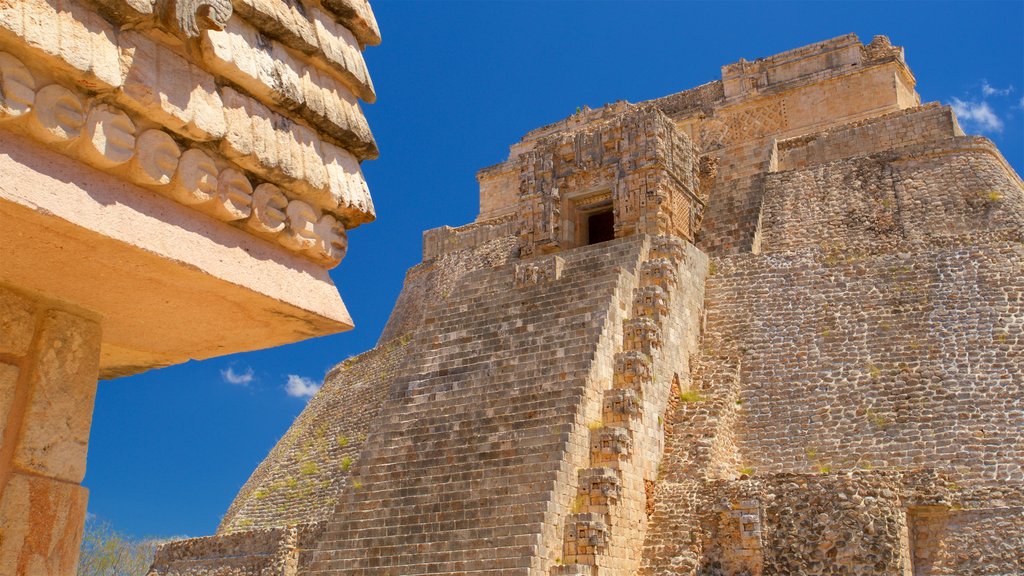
column 837, row 390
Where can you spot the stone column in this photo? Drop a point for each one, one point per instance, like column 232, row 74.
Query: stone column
column 49, row 362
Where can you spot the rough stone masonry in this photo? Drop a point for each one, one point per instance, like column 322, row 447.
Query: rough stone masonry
column 177, row 177
column 770, row 325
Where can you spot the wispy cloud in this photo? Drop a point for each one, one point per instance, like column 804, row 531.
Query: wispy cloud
column 237, row 378
column 977, row 116
column 300, row 386
column 989, row 90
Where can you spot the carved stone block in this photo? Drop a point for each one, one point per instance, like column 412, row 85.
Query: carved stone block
column 600, row 486
column 641, row 334
column 610, row 444
column 538, row 271
column 632, row 370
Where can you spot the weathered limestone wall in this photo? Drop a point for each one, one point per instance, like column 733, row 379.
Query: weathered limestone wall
column 453, row 254
column 481, row 438
column 792, row 94
column 49, row 358
column 302, row 477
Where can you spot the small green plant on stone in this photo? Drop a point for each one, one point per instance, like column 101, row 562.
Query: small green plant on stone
column 824, row 468
column 309, row 468
column 876, row 419
column 346, row 463
column 747, row 471
column 261, row 494
column 342, row 440
column 993, row 196
column 812, row 453
column 357, row 485
column 712, row 267
column 247, row 523
column 691, row 396
column 595, row 425
column 874, row 371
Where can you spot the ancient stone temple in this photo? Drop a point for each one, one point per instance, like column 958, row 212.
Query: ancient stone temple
column 773, row 324
column 176, row 179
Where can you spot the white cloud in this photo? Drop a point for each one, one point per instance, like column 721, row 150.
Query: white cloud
column 300, row 386
column 977, row 116
column 989, row 90
column 237, row 378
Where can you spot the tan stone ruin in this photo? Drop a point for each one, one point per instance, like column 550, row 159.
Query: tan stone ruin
column 799, row 354
column 176, row 179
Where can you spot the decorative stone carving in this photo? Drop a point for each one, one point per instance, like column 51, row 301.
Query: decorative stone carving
column 301, row 234
column 609, row 444
column 57, row 116
column 234, row 196
column 641, row 334
column 658, row 272
column 268, row 205
column 17, row 87
column 600, row 486
column 669, row 247
column 193, row 16
column 156, row 158
column 632, row 370
column 538, row 271
column 651, row 302
column 332, row 240
column 196, row 181
column 620, row 405
column 109, row 137
column 587, row 535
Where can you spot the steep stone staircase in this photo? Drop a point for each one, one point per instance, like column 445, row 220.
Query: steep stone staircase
column 605, row 531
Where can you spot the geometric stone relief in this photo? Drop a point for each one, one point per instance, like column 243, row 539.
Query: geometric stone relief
column 107, row 138
column 538, row 271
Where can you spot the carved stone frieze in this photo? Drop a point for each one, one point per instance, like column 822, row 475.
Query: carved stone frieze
column 108, row 138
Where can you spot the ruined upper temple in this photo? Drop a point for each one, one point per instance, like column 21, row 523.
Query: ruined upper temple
column 176, row 179
column 773, row 324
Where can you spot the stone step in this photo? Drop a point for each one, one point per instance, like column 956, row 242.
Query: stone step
column 573, row 570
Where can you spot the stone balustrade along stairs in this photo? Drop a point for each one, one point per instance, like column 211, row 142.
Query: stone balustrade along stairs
column 606, row 528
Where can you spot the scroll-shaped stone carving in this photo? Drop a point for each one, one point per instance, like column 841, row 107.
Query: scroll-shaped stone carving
column 332, row 240
column 195, row 182
column 301, row 234
column 109, row 137
column 17, row 87
column 193, row 16
column 58, row 115
column 156, row 158
column 268, row 205
column 234, row 196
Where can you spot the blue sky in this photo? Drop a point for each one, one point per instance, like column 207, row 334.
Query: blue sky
column 457, row 83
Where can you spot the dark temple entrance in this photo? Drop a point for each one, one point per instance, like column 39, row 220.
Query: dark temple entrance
column 600, row 227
